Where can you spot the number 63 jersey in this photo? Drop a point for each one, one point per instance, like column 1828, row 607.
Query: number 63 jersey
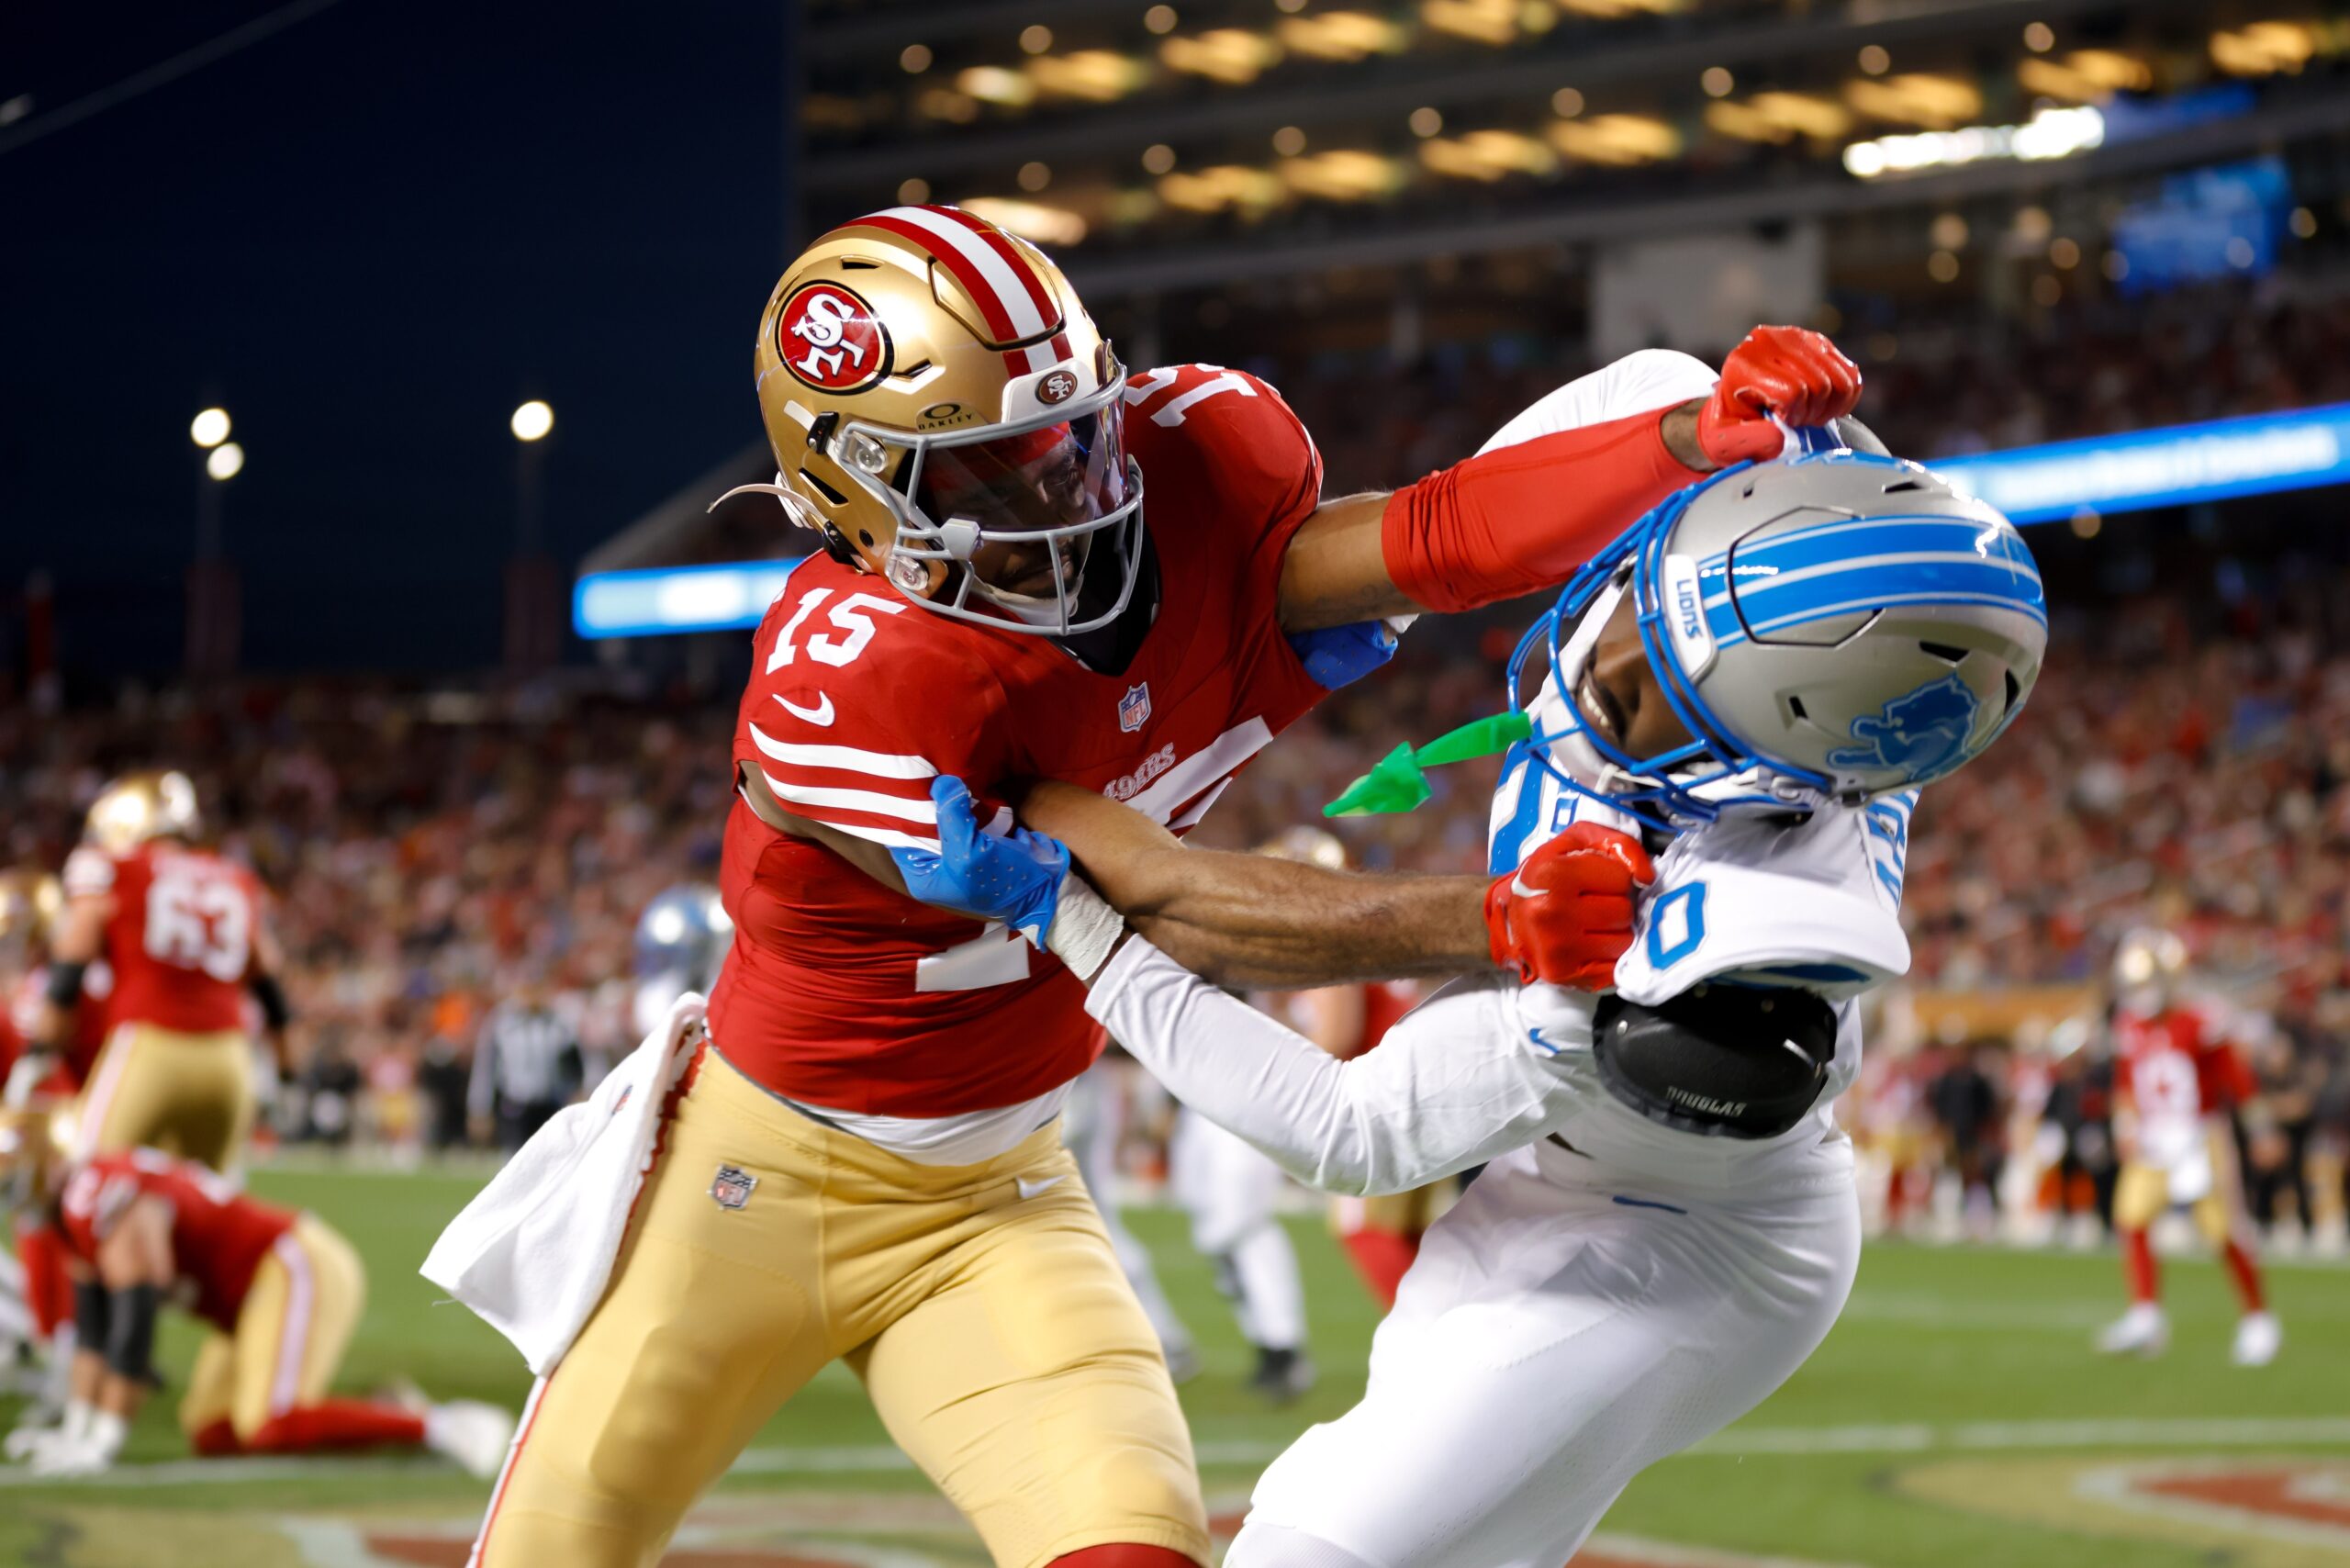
column 841, row 993
column 181, row 939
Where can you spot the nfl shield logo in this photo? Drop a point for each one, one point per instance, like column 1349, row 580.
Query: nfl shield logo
column 1134, row 708
column 731, row 1187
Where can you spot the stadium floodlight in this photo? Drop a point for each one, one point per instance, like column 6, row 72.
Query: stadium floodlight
column 209, row 428
column 531, row 420
column 225, row 461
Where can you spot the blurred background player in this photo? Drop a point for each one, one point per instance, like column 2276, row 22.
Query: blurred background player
column 282, row 1292
column 36, row 1297
column 1094, row 1128
column 185, row 933
column 681, row 939
column 2178, row 1078
column 527, row 1062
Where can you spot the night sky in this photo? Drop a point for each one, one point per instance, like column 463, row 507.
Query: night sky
column 369, row 235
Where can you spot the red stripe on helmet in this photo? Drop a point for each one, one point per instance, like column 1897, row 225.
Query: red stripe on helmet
column 1001, row 243
column 991, row 309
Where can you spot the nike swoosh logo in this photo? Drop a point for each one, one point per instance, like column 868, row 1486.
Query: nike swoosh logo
column 822, row 713
column 1536, row 1035
column 1036, row 1189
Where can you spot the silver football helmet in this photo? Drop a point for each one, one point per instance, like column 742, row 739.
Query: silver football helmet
column 1835, row 622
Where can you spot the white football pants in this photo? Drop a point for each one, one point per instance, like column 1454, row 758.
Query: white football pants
column 1228, row 1188
column 1557, row 1336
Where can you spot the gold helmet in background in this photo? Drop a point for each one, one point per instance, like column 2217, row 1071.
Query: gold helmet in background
column 140, row 806
column 1310, row 846
column 2147, row 968
column 946, row 414
column 33, row 1138
column 30, row 902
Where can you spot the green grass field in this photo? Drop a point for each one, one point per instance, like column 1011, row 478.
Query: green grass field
column 1954, row 1418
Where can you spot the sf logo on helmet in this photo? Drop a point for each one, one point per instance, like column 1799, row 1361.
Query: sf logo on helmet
column 831, row 338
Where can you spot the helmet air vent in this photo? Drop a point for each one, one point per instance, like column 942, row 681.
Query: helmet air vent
column 1944, row 651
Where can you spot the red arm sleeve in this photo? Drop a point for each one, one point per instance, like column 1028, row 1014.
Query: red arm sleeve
column 1523, row 518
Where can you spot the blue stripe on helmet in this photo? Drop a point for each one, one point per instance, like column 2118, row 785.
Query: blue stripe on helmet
column 1875, row 536
column 1887, row 601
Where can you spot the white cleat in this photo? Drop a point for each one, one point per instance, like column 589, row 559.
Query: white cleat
column 476, row 1436
column 2258, row 1338
column 2140, row 1331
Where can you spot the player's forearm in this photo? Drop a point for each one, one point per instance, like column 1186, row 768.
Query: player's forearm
column 1251, row 920
column 1246, row 920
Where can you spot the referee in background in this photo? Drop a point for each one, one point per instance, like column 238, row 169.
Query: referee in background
column 526, row 1065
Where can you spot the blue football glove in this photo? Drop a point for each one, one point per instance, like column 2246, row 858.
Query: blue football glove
column 1015, row 878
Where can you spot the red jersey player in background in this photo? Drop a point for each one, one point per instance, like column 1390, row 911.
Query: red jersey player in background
column 37, row 1300
column 2176, row 1079
column 185, row 933
column 864, row 1162
column 281, row 1291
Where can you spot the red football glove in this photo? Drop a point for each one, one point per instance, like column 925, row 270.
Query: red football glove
column 1566, row 917
column 1787, row 370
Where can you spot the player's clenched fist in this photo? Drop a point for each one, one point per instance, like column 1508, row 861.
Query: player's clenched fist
column 1566, row 917
column 1797, row 374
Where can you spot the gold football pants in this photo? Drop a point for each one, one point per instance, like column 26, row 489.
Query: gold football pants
column 981, row 1304
column 296, row 1323
column 191, row 1096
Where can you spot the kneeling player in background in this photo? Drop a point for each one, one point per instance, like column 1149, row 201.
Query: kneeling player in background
column 2175, row 1079
column 284, row 1290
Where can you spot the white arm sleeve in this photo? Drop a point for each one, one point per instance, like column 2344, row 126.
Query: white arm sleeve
column 1454, row 1084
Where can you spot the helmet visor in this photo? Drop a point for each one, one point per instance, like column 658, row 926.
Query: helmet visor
column 1033, row 498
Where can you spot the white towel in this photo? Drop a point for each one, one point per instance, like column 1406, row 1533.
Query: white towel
column 531, row 1254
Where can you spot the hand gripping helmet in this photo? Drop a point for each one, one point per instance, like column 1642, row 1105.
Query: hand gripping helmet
column 140, row 806
column 944, row 412
column 1836, row 623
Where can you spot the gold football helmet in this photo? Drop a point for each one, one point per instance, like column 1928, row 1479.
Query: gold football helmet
column 945, row 413
column 33, row 1137
column 30, row 903
column 2147, row 968
column 140, row 806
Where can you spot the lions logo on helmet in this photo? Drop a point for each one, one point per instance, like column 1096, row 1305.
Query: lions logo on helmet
column 1925, row 730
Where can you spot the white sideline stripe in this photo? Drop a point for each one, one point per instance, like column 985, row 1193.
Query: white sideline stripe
column 1980, row 1437
column 852, row 801
column 880, row 764
column 1010, row 292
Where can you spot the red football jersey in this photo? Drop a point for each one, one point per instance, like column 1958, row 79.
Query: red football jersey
column 181, row 940
column 2175, row 1067
column 90, row 1024
column 219, row 1235
column 845, row 994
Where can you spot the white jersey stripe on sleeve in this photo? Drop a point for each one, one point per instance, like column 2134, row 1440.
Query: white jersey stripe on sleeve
column 879, row 764
column 852, row 801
